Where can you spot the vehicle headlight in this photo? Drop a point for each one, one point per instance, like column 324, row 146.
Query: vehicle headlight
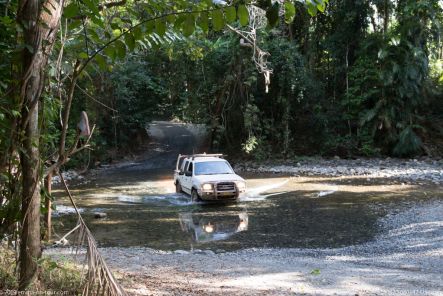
column 209, row 228
column 207, row 186
column 241, row 185
column 243, row 225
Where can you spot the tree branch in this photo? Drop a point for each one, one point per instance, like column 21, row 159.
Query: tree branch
column 62, row 159
column 95, row 100
column 111, row 4
column 100, row 49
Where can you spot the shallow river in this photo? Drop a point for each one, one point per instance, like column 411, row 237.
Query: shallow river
column 277, row 211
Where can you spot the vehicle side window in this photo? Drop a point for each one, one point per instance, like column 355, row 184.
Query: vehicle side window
column 190, row 167
column 185, row 165
column 180, row 164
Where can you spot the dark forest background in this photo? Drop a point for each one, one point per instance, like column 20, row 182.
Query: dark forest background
column 362, row 79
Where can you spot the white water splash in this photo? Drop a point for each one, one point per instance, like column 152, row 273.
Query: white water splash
column 169, row 198
column 64, row 210
column 326, row 192
column 178, row 199
column 255, row 194
column 130, row 198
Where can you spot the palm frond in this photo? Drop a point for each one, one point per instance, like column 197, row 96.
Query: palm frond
column 98, row 278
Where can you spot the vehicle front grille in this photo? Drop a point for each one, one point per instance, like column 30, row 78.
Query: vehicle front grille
column 226, row 186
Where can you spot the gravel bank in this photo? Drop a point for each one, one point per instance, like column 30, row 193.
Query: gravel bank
column 405, row 259
column 412, row 170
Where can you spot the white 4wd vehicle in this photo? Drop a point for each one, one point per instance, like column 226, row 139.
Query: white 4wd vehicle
column 207, row 177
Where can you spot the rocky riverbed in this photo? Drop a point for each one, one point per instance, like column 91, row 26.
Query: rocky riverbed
column 408, row 170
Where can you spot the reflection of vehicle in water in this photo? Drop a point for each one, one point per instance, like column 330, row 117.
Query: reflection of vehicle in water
column 206, row 227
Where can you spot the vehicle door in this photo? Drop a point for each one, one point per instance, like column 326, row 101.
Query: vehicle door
column 187, row 177
column 179, row 168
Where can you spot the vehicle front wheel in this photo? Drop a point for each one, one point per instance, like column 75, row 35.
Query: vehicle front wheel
column 194, row 196
column 178, row 188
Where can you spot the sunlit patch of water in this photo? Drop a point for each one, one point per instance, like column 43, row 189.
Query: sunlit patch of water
column 260, row 189
column 177, row 199
column 324, row 193
column 256, row 193
column 130, row 199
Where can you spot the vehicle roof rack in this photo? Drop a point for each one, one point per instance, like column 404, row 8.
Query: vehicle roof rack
column 219, row 155
column 193, row 156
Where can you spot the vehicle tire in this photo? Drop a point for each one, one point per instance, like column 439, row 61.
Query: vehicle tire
column 194, row 196
column 178, row 188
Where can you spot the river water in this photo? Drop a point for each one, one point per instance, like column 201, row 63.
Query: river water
column 277, row 211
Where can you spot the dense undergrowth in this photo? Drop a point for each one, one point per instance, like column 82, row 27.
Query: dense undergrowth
column 61, row 276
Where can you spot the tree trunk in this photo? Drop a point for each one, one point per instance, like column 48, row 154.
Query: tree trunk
column 386, row 17
column 347, row 87
column 40, row 22
column 30, row 249
column 48, row 205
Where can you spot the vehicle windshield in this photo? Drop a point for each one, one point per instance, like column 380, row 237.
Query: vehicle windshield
column 212, row 168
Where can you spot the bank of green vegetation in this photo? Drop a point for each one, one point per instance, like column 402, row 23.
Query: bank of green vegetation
column 362, row 79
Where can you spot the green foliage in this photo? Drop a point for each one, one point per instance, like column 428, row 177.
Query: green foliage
column 316, row 271
column 60, row 275
column 345, row 91
column 8, row 281
column 243, row 15
column 391, row 109
column 10, row 115
column 272, row 14
column 250, row 145
column 289, row 12
column 231, row 14
column 408, row 143
column 218, row 21
column 255, row 143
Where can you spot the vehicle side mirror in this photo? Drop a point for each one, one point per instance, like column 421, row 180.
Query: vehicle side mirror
column 181, row 173
column 188, row 174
